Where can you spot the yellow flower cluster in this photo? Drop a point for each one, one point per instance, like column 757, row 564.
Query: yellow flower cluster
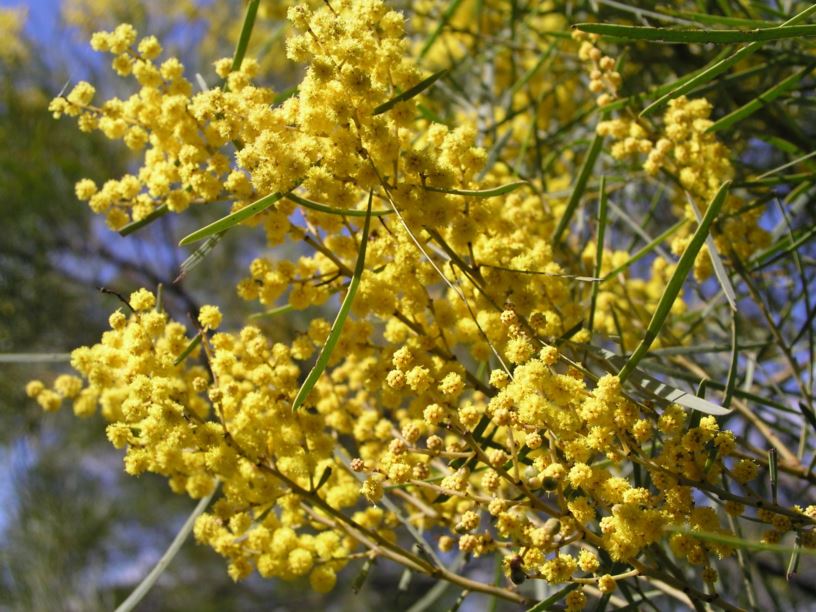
column 231, row 421
column 538, row 461
column 12, row 45
column 686, row 150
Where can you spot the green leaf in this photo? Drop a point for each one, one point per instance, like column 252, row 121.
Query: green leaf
column 793, row 564
column 189, row 349
column 553, row 599
column 145, row 585
column 717, row 66
column 324, row 477
column 225, row 223
column 136, row 225
column 676, row 282
column 529, row 74
column 599, row 247
column 342, row 314
column 284, row 95
column 34, row 357
column 197, row 256
column 580, row 186
column 481, row 193
column 781, row 248
column 495, row 151
column 410, row 93
column 705, row 18
column 729, row 540
column 446, row 17
column 684, row 36
column 761, row 100
column 645, row 250
column 716, row 261
column 343, row 212
column 360, row 578
column 666, row 88
column 669, row 394
column 272, row 312
column 246, row 33
column 773, row 472
column 731, row 381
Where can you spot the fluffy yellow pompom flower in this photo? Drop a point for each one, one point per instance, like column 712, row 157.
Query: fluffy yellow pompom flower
column 209, row 317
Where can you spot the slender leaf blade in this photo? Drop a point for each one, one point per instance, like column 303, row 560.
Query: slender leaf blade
column 761, row 100
column 716, row 261
column 446, row 17
column 580, row 186
column 686, row 36
column 717, row 67
column 225, row 223
column 481, row 193
column 677, row 280
column 137, row 225
column 599, row 248
column 409, row 93
column 553, row 599
column 189, row 349
column 342, row 314
column 342, row 212
column 145, row 585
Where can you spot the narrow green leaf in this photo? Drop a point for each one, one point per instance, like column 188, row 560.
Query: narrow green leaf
column 704, row 76
column 677, row 280
column 793, row 564
column 342, row 314
column 446, row 17
column 34, row 357
column 495, row 151
column 481, row 193
column 786, row 147
column 780, row 249
column 667, row 393
column 580, row 186
column 324, row 477
column 529, row 74
column 645, row 250
column 728, row 540
column 359, row 579
column 666, row 88
column 272, row 312
column 599, row 248
column 197, row 256
column 761, row 100
column 225, row 223
column 427, row 114
column 716, row 260
column 553, row 599
column 145, row 585
column 246, row 33
column 189, row 349
column 137, row 225
column 684, row 36
column 342, row 212
column 459, row 601
column 705, row 18
column 718, row 66
column 773, row 472
column 284, row 95
column 408, row 94
column 731, row 382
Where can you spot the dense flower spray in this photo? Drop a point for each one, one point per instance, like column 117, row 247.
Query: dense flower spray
column 455, row 408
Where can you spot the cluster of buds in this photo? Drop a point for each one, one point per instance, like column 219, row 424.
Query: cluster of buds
column 604, row 80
